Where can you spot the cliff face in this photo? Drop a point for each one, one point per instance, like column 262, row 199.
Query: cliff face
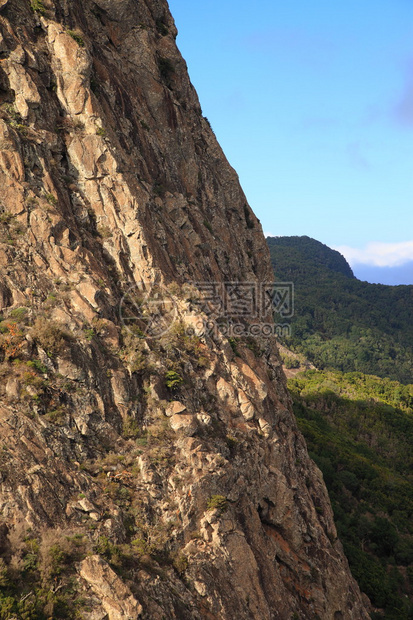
column 154, row 474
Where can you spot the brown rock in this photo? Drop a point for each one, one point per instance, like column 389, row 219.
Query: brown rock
column 184, row 424
column 174, row 407
column 116, row 598
column 13, row 388
column 226, row 393
column 21, row 82
column 246, row 406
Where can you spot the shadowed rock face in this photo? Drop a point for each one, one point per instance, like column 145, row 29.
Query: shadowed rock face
column 140, row 477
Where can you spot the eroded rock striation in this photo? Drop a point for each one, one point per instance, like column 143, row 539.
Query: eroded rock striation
column 143, row 475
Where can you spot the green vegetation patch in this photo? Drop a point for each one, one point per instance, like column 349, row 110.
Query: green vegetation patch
column 340, row 322
column 38, row 7
column 217, row 502
column 359, row 431
column 173, row 380
column 76, row 36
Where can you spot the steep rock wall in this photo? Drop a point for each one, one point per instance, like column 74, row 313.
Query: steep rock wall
column 155, row 477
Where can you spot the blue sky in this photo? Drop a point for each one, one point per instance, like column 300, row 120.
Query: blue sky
column 312, row 103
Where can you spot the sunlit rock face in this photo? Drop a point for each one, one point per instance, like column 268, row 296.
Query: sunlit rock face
column 144, row 474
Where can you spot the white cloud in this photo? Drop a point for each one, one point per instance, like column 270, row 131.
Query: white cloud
column 379, row 254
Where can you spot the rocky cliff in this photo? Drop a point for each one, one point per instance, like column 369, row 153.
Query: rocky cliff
column 150, row 467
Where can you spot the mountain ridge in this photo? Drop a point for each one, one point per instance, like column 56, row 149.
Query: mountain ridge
column 319, row 254
column 341, row 322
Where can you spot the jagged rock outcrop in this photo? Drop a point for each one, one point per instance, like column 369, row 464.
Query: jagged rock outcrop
column 154, row 475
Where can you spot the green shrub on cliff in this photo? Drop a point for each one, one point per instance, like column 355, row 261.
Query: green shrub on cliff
column 37, row 6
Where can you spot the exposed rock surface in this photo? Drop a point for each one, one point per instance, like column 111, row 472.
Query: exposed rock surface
column 115, row 596
column 140, row 477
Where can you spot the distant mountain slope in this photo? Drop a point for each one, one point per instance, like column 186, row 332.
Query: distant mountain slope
column 359, row 431
column 318, row 258
column 339, row 321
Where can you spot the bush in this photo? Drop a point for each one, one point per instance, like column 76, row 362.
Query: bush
column 291, row 362
column 37, row 6
column 12, row 339
column 234, row 345
column 76, row 36
column 159, row 189
column 104, row 231
column 37, row 365
column 217, row 502
column 131, row 428
column 134, row 351
column 51, row 199
column 18, row 313
column 180, row 563
column 57, row 551
column 6, row 217
column 172, row 380
column 29, row 572
column 56, row 416
column 50, row 336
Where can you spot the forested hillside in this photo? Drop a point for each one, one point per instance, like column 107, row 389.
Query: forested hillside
column 339, row 321
column 358, row 427
column 359, row 431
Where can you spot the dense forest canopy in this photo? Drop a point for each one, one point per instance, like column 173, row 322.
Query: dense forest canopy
column 359, row 431
column 339, row 321
column 355, row 410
